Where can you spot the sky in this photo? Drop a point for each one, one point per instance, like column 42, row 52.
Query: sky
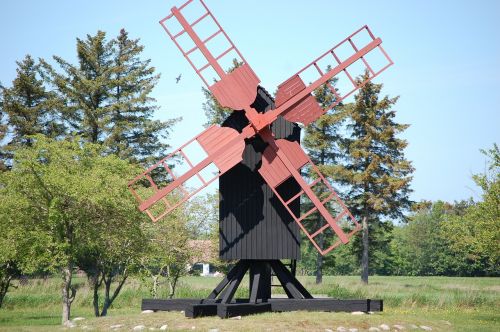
column 446, row 71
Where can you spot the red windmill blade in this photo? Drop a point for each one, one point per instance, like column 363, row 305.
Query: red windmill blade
column 223, row 147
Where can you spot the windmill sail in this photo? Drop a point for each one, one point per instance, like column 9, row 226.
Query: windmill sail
column 325, row 212
column 235, row 88
column 295, row 99
column 210, row 52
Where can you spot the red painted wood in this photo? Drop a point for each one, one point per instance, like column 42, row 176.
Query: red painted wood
column 237, row 90
column 295, row 101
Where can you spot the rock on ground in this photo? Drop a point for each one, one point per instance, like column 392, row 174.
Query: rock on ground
column 341, row 329
column 384, row 327
column 426, row 328
column 116, row 326
column 353, row 329
column 398, row 327
column 374, row 329
column 357, row 313
column 213, row 330
column 139, row 328
column 76, row 319
column 164, row 327
column 147, row 312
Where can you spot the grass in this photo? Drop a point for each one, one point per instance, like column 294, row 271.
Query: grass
column 445, row 304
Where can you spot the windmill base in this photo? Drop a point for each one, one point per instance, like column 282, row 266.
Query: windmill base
column 220, row 302
column 241, row 307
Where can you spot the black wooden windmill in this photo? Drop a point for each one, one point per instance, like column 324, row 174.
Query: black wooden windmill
column 256, row 156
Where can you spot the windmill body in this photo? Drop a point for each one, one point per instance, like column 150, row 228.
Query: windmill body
column 256, row 156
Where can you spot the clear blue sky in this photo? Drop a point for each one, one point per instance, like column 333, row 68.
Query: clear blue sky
column 446, row 54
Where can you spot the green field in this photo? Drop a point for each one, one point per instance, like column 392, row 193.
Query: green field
column 441, row 303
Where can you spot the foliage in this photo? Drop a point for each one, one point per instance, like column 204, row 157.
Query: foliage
column 422, row 247
column 71, row 197
column 167, row 254
column 475, row 235
column 375, row 170
column 106, row 97
column 28, row 109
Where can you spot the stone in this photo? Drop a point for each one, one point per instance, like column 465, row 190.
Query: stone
column 399, row 327
column 139, row 328
column 236, row 317
column 76, row 319
column 213, row 330
column 353, row 329
column 384, row 327
column 357, row 313
column 426, row 328
column 147, row 312
column 328, row 330
column 164, row 327
column 374, row 329
column 116, row 326
column 413, row 326
column 341, row 329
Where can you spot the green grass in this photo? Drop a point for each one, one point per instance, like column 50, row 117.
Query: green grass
column 445, row 304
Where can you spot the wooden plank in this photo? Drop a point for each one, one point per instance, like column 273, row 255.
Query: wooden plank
column 241, row 309
column 253, row 223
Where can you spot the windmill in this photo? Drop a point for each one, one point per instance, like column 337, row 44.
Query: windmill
column 218, row 151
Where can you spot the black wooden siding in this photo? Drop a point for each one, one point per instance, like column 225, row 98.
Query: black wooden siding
column 253, row 223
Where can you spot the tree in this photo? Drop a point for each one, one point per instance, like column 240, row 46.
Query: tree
column 475, row 235
column 68, row 190
column 107, row 97
column 322, row 141
column 28, row 108
column 167, row 253
column 422, row 246
column 375, row 169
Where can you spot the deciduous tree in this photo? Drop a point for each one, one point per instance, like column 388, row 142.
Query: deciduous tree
column 69, row 190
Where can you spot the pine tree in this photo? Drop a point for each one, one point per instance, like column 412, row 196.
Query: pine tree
column 133, row 133
column 107, row 97
column 376, row 171
column 28, row 109
column 321, row 140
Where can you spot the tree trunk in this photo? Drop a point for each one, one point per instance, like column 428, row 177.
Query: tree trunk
column 172, row 277
column 96, row 296
column 319, row 261
column 108, row 300
column 154, row 286
column 4, row 287
column 364, row 256
column 107, row 303
column 68, row 293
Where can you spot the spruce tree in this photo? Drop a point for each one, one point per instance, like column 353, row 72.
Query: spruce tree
column 376, row 171
column 28, row 109
column 133, row 133
column 107, row 97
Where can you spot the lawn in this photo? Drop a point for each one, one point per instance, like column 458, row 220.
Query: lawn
column 412, row 303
